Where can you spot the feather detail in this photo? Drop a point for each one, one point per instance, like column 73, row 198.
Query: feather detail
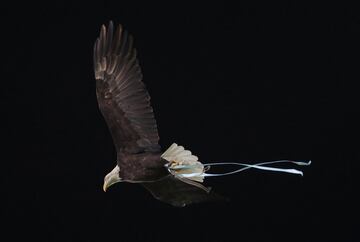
column 122, row 97
column 183, row 163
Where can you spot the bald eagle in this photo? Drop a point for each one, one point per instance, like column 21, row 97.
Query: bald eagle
column 174, row 176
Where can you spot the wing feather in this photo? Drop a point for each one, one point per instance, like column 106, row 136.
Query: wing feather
column 178, row 193
column 122, row 97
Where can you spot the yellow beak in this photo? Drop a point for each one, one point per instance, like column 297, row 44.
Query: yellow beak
column 104, row 187
column 109, row 182
column 111, row 178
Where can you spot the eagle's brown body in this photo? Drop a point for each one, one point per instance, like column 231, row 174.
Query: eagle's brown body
column 137, row 163
column 125, row 104
column 142, row 167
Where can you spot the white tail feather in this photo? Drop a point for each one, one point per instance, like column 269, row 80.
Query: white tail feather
column 183, row 163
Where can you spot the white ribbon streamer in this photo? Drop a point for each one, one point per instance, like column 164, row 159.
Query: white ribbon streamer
column 256, row 166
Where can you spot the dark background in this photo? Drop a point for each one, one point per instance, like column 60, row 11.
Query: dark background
column 248, row 82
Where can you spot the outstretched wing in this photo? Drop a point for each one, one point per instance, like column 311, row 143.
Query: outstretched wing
column 178, row 193
column 121, row 94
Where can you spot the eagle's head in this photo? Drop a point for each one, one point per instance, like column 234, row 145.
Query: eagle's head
column 112, row 178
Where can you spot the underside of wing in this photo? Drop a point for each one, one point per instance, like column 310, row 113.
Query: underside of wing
column 122, row 96
column 178, row 193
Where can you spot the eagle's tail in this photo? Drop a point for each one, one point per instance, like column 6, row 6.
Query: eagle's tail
column 183, row 163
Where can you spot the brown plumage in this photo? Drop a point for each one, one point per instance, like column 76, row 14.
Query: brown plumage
column 125, row 104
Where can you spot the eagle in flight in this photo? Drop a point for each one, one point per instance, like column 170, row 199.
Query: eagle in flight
column 174, row 176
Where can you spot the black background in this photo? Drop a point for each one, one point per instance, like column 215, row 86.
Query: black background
column 248, row 82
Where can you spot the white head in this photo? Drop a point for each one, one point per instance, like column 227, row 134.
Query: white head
column 112, row 178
